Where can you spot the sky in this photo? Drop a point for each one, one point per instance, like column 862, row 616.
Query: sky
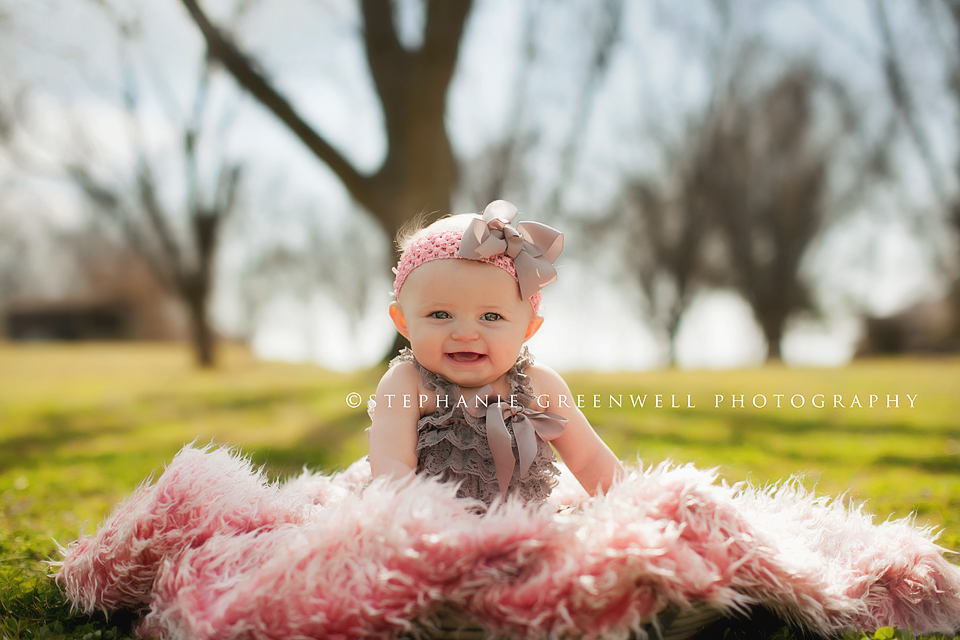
column 67, row 54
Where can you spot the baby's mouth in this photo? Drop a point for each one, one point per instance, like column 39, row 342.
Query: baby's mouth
column 465, row 356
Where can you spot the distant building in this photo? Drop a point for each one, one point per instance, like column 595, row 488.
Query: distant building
column 926, row 327
column 148, row 318
column 97, row 289
column 67, row 320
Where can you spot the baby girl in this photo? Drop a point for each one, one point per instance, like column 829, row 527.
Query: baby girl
column 467, row 403
column 216, row 551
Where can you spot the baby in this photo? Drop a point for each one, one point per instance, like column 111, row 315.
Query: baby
column 467, row 403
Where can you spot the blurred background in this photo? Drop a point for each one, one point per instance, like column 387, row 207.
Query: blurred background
column 738, row 181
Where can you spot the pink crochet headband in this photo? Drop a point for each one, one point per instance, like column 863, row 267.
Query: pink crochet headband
column 526, row 252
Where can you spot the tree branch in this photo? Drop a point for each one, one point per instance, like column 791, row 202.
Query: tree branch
column 246, row 72
column 902, row 100
column 109, row 204
column 153, row 210
column 607, row 37
column 442, row 35
column 389, row 62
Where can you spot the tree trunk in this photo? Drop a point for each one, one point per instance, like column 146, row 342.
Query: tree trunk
column 953, row 299
column 202, row 336
column 672, row 349
column 195, row 286
column 772, row 326
column 419, row 172
column 673, row 328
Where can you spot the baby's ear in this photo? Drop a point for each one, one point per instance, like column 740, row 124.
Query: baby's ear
column 533, row 326
column 399, row 321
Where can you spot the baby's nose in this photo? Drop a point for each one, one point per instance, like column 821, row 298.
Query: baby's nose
column 465, row 331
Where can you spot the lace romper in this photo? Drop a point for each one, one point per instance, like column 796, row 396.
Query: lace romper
column 453, row 445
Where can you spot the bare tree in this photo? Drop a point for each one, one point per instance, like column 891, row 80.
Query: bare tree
column 769, row 188
column 943, row 25
column 499, row 169
column 745, row 192
column 342, row 264
column 667, row 226
column 666, row 217
column 419, row 174
column 181, row 256
column 777, row 154
column 419, row 171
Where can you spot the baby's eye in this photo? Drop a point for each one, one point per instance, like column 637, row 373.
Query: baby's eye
column 491, row 316
column 440, row 315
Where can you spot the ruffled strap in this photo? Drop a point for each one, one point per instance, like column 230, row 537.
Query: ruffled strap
column 520, row 384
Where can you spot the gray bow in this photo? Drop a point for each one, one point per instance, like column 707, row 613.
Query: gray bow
column 527, row 425
column 533, row 246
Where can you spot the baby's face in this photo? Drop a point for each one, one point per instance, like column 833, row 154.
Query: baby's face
column 464, row 319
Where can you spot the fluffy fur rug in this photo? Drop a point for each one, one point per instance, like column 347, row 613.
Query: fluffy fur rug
column 211, row 549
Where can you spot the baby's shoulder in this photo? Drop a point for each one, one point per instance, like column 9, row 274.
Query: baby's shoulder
column 400, row 376
column 545, row 380
column 402, row 387
column 551, row 392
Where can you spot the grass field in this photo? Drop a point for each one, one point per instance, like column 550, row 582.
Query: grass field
column 81, row 426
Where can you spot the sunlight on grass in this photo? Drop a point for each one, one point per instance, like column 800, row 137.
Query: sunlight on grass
column 900, row 459
column 81, row 426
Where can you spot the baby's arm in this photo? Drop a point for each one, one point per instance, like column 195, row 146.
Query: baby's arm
column 580, row 448
column 393, row 434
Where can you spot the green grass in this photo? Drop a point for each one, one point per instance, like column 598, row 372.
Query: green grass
column 81, row 426
column 899, row 460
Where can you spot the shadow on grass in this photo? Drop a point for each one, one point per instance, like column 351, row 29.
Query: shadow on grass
column 939, row 464
column 56, row 432
column 754, row 421
column 53, row 430
column 319, row 449
column 231, row 401
column 743, row 430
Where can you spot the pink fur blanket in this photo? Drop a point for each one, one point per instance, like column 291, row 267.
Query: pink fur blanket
column 212, row 549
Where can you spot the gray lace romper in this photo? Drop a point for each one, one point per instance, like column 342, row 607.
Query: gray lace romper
column 452, row 444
